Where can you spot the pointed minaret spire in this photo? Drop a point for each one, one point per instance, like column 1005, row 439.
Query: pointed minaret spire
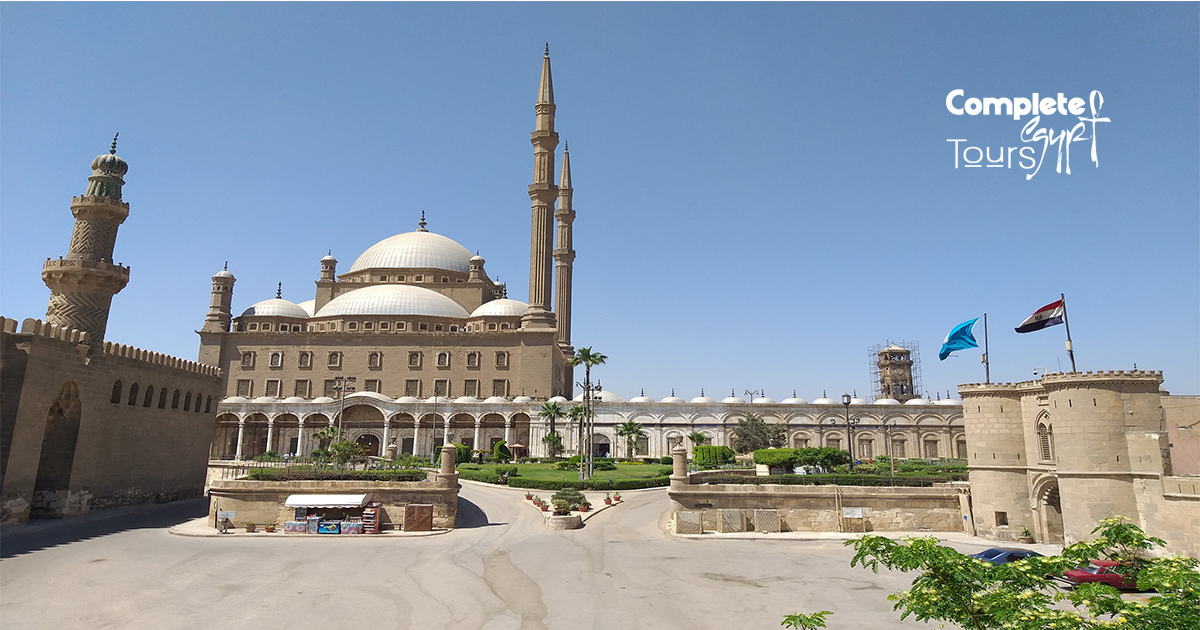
column 279, row 291
column 421, row 223
column 542, row 195
column 113, row 150
column 564, row 257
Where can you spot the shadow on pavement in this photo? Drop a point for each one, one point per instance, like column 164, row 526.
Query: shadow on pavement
column 43, row 534
column 470, row 515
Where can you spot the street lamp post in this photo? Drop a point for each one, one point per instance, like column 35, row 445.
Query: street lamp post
column 341, row 384
column 587, row 427
column 849, row 430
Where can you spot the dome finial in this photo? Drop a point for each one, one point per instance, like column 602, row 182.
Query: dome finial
column 793, row 393
column 279, row 291
column 113, row 150
column 702, row 392
column 421, row 223
column 226, row 267
column 547, row 49
column 823, row 394
column 672, row 392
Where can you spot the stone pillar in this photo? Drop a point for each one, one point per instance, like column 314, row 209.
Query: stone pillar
column 241, row 434
column 478, row 433
column 300, row 443
column 508, row 426
column 679, row 471
column 387, row 429
column 447, row 460
column 270, row 433
column 446, row 430
column 416, row 435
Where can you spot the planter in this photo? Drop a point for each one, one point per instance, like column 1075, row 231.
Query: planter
column 585, row 507
column 269, row 529
column 1025, row 539
column 616, row 497
column 528, row 497
column 249, row 528
column 545, row 508
column 608, row 502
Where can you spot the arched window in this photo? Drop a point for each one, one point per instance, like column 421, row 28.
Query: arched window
column 175, row 400
column 149, row 397
column 133, row 392
column 187, row 402
column 116, row 395
column 443, row 359
column 162, row 398
column 1046, row 439
column 208, row 404
column 472, row 359
column 374, row 359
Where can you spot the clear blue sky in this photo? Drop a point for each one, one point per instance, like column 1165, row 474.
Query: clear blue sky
column 763, row 190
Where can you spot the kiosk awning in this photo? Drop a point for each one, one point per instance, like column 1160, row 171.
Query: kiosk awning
column 326, row 500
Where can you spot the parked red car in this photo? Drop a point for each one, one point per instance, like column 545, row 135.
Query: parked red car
column 1104, row 571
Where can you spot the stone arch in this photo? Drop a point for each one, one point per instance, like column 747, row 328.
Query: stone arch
column 224, row 442
column 187, row 402
column 1045, row 433
column 133, row 395
column 52, row 484
column 175, row 400
column 370, row 443
column 149, row 397
column 801, row 439
column 362, row 416
column 1047, row 507
column 208, row 404
column 162, row 398
column 602, row 445
column 116, row 392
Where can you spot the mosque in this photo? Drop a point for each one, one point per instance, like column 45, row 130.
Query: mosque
column 435, row 351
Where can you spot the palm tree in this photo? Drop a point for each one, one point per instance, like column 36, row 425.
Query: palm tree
column 551, row 411
column 577, row 413
column 587, row 358
column 631, row 431
column 697, row 438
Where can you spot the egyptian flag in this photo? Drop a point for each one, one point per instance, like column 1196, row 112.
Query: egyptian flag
column 1049, row 315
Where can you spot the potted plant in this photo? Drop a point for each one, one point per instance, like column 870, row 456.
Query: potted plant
column 585, row 506
column 607, row 499
column 562, row 507
column 545, row 508
column 269, row 528
column 617, row 497
column 249, row 527
column 1026, row 536
column 528, row 496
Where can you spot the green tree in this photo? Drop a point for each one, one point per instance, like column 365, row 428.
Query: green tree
column 554, row 443
column 697, row 438
column 631, row 431
column 753, row 433
column 325, row 437
column 551, row 412
column 588, row 359
column 344, row 451
column 977, row 595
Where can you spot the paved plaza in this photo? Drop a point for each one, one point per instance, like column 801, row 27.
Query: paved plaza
column 501, row 569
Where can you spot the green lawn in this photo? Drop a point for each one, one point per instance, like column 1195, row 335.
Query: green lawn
column 547, row 471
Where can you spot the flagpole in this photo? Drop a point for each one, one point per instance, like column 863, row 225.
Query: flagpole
column 987, row 366
column 1067, row 323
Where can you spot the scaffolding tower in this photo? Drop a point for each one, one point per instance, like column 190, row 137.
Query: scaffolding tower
column 878, row 377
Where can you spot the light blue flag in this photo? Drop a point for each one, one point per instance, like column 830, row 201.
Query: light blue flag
column 960, row 338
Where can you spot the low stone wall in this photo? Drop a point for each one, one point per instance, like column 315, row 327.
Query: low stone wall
column 263, row 501
column 820, row 508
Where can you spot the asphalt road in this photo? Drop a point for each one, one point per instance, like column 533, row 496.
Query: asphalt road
column 501, row 569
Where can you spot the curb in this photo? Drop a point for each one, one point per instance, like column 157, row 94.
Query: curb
column 199, row 528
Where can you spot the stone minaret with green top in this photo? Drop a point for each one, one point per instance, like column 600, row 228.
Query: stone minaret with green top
column 83, row 283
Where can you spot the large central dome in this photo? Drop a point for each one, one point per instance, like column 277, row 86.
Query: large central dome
column 415, row 250
column 392, row 299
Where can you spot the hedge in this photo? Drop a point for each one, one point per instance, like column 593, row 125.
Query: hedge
column 478, row 475
column 329, row 474
column 711, row 454
column 592, row 484
column 834, row 480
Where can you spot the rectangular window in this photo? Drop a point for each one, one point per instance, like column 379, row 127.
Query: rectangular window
column 368, row 325
column 373, row 385
column 352, row 326
column 335, row 359
column 962, row 449
column 471, row 387
column 305, row 360
column 834, row 442
column 401, row 326
column 266, row 327
column 441, row 387
column 252, row 327
column 418, row 278
column 330, row 388
column 412, row 387
column 303, row 388
column 245, row 387
column 864, row 450
column 898, row 449
column 1001, row 519
column 801, row 442
column 423, row 327
column 437, row 328
column 272, row 388
column 501, row 359
column 414, row 359
column 931, row 449
column 384, row 325
column 500, row 387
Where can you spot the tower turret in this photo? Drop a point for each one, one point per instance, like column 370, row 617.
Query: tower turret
column 219, row 308
column 83, row 282
column 327, row 283
column 542, row 194
column 564, row 256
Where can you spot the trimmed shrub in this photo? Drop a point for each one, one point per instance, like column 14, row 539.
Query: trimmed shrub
column 575, row 459
column 570, row 496
column 666, row 459
column 650, row 460
column 326, row 474
column 712, row 455
column 834, row 480
column 501, row 452
column 566, row 465
column 594, row 484
column 479, row 475
column 605, row 465
column 665, row 471
column 506, row 471
column 776, row 456
column 462, row 453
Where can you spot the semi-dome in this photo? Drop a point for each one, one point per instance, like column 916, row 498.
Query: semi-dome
column 887, row 401
column 320, row 400
column 522, row 399
column 501, row 308
column 371, row 395
column 415, row 250
column 857, row 401
column 702, row 400
column 793, row 401
column 733, row 400
column 558, row 399
column 276, row 307
column 265, row 399
column 466, row 399
column 825, row 401
column 293, row 399
column 763, row 400
column 437, row 399
column 392, row 299
column 641, row 398
column 496, row 399
column 309, row 306
column 408, row 399
column 917, row 401
column 672, row 399
column 605, row 396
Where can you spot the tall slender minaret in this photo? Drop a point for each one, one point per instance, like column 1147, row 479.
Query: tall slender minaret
column 542, row 194
column 564, row 257
column 83, row 283
column 219, row 307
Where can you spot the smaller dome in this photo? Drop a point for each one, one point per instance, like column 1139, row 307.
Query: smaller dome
column 887, row 401
column 110, row 163
column 605, row 396
column 328, row 258
column 224, row 273
column 466, row 399
column 857, row 401
column 293, row 399
column 501, row 308
column 477, row 258
column 309, row 306
column 408, row 399
column 948, row 401
column 558, row 399
column 276, row 307
column 763, row 400
column 702, row 400
column 320, row 400
column 371, row 395
column 825, row 401
column 522, row 399
column 917, row 401
column 265, row 399
column 236, row 400
column 641, row 399
column 794, row 401
column 496, row 399
column 437, row 399
column 733, row 400
column 672, row 400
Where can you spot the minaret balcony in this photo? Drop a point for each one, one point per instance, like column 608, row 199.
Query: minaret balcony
column 79, row 272
column 97, row 205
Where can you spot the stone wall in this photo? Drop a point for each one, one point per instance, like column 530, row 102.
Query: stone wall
column 819, row 508
column 264, row 501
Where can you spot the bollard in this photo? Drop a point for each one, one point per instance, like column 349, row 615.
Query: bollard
column 679, row 457
column 448, row 459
